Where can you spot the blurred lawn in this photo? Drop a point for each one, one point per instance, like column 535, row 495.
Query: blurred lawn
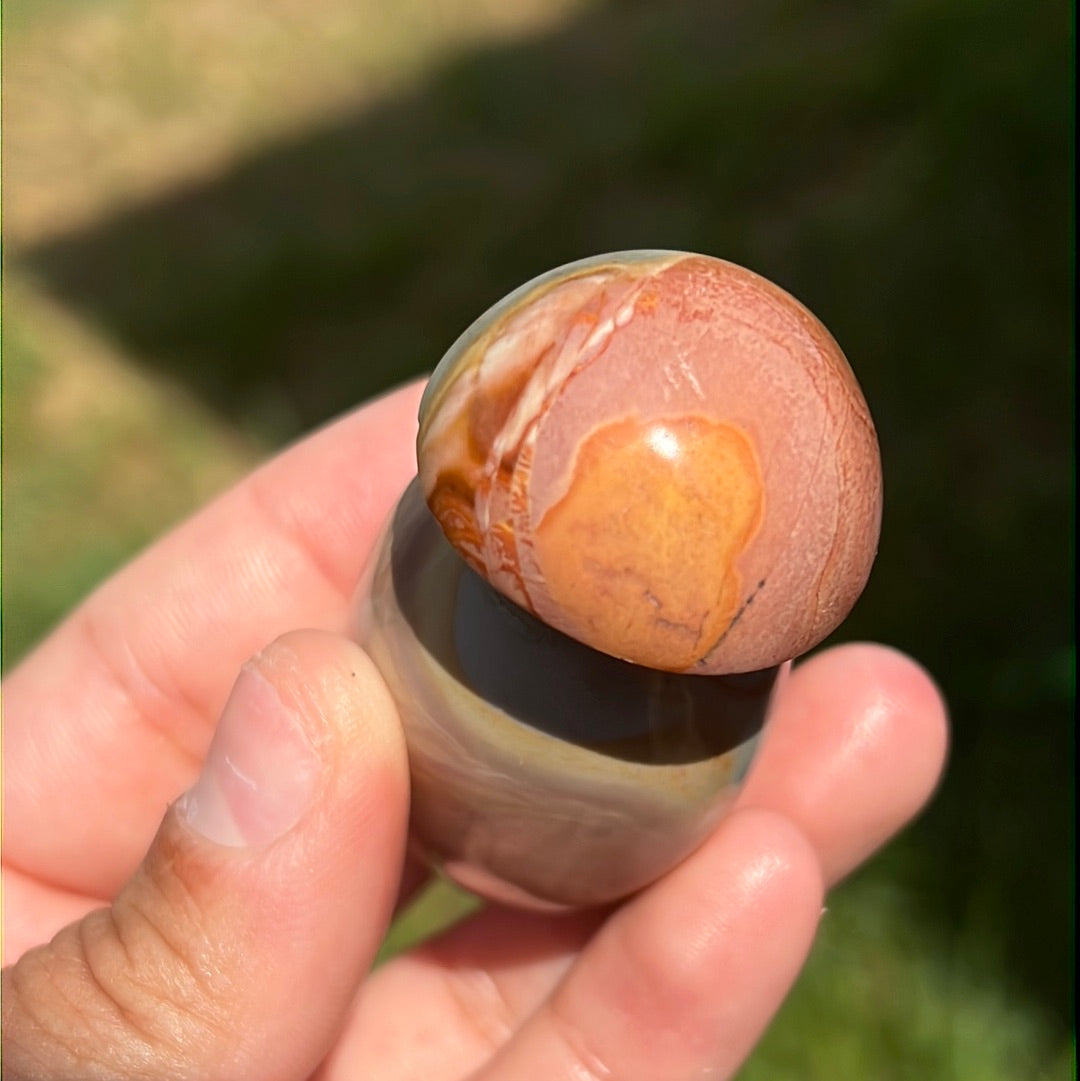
column 226, row 223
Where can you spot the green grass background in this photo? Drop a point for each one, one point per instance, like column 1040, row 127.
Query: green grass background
column 225, row 223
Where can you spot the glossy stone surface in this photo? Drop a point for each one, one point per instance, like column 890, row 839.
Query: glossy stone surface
column 652, row 479
column 544, row 773
column 662, row 455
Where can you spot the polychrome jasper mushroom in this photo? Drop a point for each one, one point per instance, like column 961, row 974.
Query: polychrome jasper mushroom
column 646, row 480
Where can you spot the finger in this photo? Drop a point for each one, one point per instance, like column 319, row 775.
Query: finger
column 235, row 949
column 112, row 714
column 476, row 984
column 34, row 912
column 682, row 981
column 854, row 748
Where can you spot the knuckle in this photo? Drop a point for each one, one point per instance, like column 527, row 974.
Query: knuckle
column 584, row 1061
column 118, row 994
column 481, row 1006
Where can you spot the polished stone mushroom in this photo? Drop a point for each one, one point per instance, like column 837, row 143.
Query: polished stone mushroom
column 646, row 480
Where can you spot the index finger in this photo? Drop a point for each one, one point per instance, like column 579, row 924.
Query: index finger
column 107, row 721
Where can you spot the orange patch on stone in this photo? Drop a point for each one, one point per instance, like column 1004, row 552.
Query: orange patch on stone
column 451, row 501
column 647, row 302
column 640, row 554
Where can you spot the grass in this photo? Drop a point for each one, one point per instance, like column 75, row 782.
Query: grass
column 903, row 1002
column 295, row 205
column 98, row 461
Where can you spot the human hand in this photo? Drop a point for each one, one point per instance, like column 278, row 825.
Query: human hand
column 239, row 946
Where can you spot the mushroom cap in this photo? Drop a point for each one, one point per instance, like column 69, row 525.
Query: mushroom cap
column 662, row 455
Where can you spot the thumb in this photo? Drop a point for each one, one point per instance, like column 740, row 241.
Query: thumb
column 235, row 949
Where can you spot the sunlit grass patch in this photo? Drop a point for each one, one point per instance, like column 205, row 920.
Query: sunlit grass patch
column 98, row 460
column 110, row 102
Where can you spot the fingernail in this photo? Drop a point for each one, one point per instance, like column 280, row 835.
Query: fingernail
column 260, row 773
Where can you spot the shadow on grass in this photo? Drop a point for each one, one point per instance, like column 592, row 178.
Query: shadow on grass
column 905, row 169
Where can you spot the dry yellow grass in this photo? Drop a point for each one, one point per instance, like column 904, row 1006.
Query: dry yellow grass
column 113, row 103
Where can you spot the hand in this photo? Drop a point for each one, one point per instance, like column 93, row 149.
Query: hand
column 239, row 945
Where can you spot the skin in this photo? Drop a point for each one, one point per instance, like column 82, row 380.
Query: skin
column 222, row 960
